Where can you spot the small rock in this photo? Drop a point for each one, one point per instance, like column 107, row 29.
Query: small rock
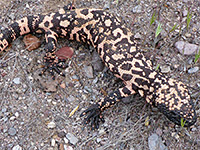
column 65, row 52
column 17, row 147
column 17, row 80
column 72, row 139
column 126, row 100
column 67, row 147
column 66, row 140
column 53, row 142
column 137, row 36
column 51, row 125
column 97, row 63
column 185, row 12
column 165, row 68
column 88, row 71
column 71, row 98
column 175, row 135
column 98, row 140
column 186, row 48
column 61, row 134
column 12, row 118
column 12, row 131
column 16, row 114
column 193, row 70
column 159, row 131
column 54, row 102
column 102, row 131
column 4, row 109
column 198, row 84
column 107, row 5
column 188, row 35
column 155, row 143
column 137, row 9
column 31, row 42
column 62, row 85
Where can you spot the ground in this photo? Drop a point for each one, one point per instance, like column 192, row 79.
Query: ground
column 33, row 117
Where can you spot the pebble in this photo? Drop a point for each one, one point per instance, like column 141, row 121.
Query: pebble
column 186, row 48
column 159, row 131
column 137, row 9
column 54, row 102
column 67, row 147
column 185, row 12
column 101, row 131
column 165, row 69
column 97, row 63
column 188, row 35
column 198, row 84
column 107, row 5
column 4, row 109
column 66, row 140
column 51, row 125
column 88, row 71
column 17, row 114
column 126, row 100
column 53, row 142
column 175, row 135
column 71, row 98
column 155, row 143
column 17, row 80
column 98, row 140
column 17, row 147
column 72, row 139
column 31, row 42
column 12, row 118
column 138, row 36
column 193, row 70
column 61, row 134
column 12, row 131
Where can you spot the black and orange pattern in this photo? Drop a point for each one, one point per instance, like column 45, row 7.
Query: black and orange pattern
column 117, row 48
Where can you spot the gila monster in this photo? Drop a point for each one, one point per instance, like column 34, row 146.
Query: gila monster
column 117, row 48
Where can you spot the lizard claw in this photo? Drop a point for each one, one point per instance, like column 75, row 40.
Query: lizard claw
column 53, row 64
column 94, row 116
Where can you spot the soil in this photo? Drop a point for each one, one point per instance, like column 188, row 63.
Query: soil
column 34, row 110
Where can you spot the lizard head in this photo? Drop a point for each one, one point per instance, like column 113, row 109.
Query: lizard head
column 173, row 99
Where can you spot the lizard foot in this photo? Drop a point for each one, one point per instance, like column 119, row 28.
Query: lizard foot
column 53, row 64
column 94, row 116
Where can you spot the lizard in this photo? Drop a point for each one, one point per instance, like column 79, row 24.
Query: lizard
column 119, row 51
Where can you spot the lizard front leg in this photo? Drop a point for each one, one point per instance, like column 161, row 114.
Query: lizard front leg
column 52, row 62
column 94, row 116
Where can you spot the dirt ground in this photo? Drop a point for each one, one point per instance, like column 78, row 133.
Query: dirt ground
column 32, row 117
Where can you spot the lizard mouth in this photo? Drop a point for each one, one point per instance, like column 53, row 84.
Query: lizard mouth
column 176, row 117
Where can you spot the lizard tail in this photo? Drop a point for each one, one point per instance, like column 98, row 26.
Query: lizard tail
column 23, row 26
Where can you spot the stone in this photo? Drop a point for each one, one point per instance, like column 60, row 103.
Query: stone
column 12, row 131
column 17, row 147
column 51, row 125
column 155, row 143
column 193, row 70
column 137, row 9
column 17, row 80
column 187, row 48
column 72, row 139
column 88, row 71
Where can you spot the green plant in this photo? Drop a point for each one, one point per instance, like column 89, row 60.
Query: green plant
column 157, row 67
column 174, row 28
column 189, row 17
column 197, row 56
column 117, row 2
column 158, row 30
column 182, row 122
column 153, row 18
